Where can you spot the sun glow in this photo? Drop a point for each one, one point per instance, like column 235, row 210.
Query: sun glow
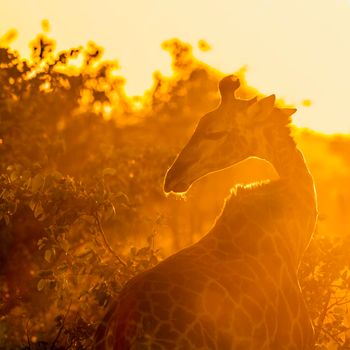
column 92, row 117
column 296, row 49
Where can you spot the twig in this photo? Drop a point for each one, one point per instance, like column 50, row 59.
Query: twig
column 336, row 340
column 52, row 347
column 340, row 302
column 340, row 332
column 71, row 339
column 107, row 245
column 322, row 316
column 336, row 286
column 27, row 333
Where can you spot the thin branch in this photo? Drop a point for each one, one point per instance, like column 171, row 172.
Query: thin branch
column 322, row 316
column 342, row 331
column 339, row 302
column 105, row 241
column 27, row 333
column 71, row 338
column 336, row 340
column 335, row 286
column 52, row 347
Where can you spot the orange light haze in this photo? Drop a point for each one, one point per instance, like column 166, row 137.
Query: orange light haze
column 298, row 49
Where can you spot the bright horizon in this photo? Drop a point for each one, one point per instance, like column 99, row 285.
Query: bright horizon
column 299, row 50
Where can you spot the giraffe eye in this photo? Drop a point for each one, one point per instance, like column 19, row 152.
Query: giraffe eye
column 215, row 135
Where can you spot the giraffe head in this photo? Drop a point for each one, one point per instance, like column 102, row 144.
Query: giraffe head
column 234, row 131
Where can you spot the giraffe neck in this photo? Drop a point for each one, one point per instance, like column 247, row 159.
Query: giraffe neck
column 290, row 164
column 287, row 159
column 282, row 211
column 295, row 176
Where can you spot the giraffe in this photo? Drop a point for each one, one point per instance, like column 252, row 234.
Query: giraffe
column 237, row 287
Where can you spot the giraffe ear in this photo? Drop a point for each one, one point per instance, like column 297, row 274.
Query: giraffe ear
column 267, row 104
column 262, row 109
column 252, row 101
column 288, row 111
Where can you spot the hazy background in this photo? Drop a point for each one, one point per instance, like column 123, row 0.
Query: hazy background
column 298, row 48
column 82, row 207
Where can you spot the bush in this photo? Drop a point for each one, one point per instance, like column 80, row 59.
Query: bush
column 81, row 203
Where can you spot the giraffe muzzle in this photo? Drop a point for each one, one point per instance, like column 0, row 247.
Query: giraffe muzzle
column 176, row 187
column 174, row 184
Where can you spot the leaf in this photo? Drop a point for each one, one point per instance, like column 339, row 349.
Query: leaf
column 109, row 171
column 41, row 284
column 32, row 204
column 84, row 254
column 13, row 176
column 45, row 273
column 7, row 219
column 27, row 183
column 38, row 210
column 143, row 251
column 42, row 242
column 62, row 268
column 59, row 320
column 122, row 198
column 133, row 251
column 37, row 182
column 56, row 175
column 65, row 245
column 153, row 260
column 48, row 255
column 110, row 212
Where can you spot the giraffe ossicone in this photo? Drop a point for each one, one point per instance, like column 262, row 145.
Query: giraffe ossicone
column 236, row 288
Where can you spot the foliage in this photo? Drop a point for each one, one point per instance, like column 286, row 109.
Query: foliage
column 81, row 204
column 326, row 284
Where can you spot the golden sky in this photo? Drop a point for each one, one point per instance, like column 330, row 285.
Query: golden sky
column 298, row 49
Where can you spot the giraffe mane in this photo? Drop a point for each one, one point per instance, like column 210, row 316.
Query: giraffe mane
column 251, row 193
column 241, row 189
column 282, row 116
